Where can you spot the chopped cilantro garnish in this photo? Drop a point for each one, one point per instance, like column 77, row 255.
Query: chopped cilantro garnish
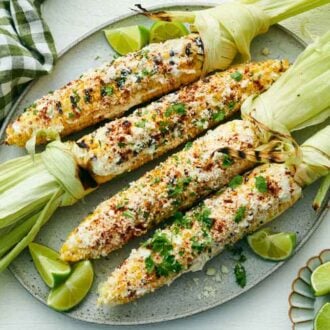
column 204, row 217
column 177, row 189
column 150, row 265
column 128, row 214
column 121, row 144
column 242, row 258
column 188, row 145
column 71, row 115
column 106, row 90
column 75, row 98
column 240, row 214
column 218, row 116
column 156, row 180
column 200, row 123
column 231, row 105
column 178, row 108
column 145, row 72
column 167, row 266
column 235, row 181
column 261, row 184
column 196, row 245
column 227, row 161
column 141, row 123
column 237, row 76
column 163, row 125
column 181, row 220
column 240, row 275
column 161, row 244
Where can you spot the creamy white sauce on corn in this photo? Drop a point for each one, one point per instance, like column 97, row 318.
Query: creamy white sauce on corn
column 126, row 143
column 110, row 90
column 174, row 185
column 201, row 234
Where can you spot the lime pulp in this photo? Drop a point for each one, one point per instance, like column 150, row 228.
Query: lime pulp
column 272, row 246
column 127, row 39
column 70, row 293
column 321, row 280
column 322, row 319
column 161, row 31
column 47, row 261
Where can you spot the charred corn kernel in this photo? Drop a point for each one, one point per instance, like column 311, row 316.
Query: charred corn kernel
column 174, row 185
column 127, row 143
column 201, row 233
column 183, row 178
column 109, row 91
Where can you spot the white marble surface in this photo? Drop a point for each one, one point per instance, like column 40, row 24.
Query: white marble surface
column 263, row 307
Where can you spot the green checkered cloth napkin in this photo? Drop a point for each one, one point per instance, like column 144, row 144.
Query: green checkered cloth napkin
column 27, row 48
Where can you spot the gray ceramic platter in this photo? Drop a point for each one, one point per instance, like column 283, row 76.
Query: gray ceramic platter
column 193, row 292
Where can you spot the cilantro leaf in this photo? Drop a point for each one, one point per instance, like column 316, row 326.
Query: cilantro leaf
column 261, row 184
column 235, row 181
column 237, row 76
column 240, row 214
column 240, row 274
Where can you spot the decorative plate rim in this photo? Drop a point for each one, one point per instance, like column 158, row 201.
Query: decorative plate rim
column 298, row 277
column 318, row 218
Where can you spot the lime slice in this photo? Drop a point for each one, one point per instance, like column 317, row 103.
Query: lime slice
column 161, row 31
column 321, row 280
column 74, row 289
column 51, row 269
column 127, row 39
column 272, row 246
column 322, row 320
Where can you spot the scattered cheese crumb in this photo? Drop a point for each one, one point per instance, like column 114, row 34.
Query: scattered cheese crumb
column 224, row 269
column 265, row 51
column 211, row 271
column 218, row 277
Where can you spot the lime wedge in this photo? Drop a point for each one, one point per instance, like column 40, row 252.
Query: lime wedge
column 51, row 269
column 161, row 31
column 74, row 289
column 272, row 246
column 322, row 319
column 321, row 280
column 127, row 39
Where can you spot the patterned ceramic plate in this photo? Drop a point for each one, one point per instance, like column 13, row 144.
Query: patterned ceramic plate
column 303, row 303
column 194, row 292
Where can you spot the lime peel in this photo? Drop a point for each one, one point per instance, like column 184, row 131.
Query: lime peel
column 320, row 279
column 48, row 264
column 272, row 246
column 322, row 319
column 161, row 31
column 74, row 289
column 127, row 39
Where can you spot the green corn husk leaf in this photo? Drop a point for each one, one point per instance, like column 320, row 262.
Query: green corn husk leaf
column 228, row 29
column 322, row 193
column 300, row 97
column 316, row 158
column 316, row 163
column 11, row 238
column 44, row 216
column 32, row 188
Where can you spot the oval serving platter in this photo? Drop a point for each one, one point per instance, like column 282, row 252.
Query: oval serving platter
column 193, row 292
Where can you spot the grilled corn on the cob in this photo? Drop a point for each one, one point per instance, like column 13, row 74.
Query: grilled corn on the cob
column 175, row 184
column 127, row 143
column 109, row 91
column 202, row 233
